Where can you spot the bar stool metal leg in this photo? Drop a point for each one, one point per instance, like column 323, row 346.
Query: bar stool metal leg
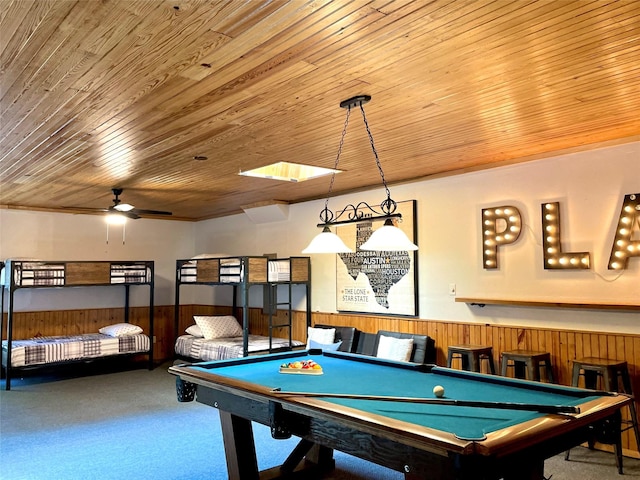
column 610, row 372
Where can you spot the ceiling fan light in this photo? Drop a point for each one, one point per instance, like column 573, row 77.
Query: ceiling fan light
column 116, row 219
column 388, row 238
column 124, row 207
column 327, row 242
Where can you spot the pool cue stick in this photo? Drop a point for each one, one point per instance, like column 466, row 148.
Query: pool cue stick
column 437, row 401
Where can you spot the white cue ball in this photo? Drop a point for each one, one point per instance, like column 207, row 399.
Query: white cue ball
column 438, row 391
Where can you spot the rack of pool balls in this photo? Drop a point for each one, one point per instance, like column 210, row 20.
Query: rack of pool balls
column 304, row 367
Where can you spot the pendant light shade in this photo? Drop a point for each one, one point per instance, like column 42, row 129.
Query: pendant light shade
column 327, row 242
column 389, row 238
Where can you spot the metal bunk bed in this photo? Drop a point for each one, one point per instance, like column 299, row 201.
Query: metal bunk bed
column 242, row 273
column 30, row 274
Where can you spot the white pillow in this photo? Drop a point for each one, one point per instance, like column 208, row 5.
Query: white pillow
column 194, row 330
column 320, row 335
column 398, row 349
column 325, row 347
column 120, row 329
column 218, row 326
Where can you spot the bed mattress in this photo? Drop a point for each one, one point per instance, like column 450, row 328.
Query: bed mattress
column 43, row 350
column 224, row 348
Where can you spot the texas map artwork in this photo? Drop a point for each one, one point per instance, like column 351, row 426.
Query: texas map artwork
column 376, row 282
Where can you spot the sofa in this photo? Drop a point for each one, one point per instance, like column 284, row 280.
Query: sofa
column 423, row 350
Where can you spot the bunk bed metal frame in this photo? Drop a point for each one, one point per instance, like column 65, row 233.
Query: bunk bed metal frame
column 244, row 272
column 21, row 274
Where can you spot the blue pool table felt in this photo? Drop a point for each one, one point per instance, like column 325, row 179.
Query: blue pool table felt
column 362, row 378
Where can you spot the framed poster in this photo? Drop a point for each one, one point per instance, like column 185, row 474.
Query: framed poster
column 377, row 282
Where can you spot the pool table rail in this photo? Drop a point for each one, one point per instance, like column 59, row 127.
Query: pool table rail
column 594, row 414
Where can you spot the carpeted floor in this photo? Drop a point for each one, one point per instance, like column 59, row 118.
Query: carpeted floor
column 128, row 424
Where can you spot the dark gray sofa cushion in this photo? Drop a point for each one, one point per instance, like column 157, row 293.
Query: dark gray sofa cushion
column 367, row 344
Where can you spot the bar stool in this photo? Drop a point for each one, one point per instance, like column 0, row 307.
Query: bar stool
column 527, row 364
column 471, row 357
column 610, row 372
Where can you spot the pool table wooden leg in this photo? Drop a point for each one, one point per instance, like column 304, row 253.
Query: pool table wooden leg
column 316, row 457
column 239, row 447
column 242, row 463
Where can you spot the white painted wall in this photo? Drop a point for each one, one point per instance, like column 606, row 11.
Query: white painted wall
column 590, row 187
column 60, row 236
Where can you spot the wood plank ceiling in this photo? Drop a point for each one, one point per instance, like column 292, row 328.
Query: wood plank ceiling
column 125, row 93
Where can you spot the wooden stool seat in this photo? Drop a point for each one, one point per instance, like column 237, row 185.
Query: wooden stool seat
column 610, row 371
column 612, row 374
column 527, row 364
column 471, row 357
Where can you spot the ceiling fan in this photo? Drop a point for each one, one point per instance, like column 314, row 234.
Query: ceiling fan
column 128, row 210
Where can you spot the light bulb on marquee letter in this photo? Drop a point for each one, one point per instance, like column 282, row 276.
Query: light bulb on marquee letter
column 624, row 246
column 554, row 257
column 500, row 226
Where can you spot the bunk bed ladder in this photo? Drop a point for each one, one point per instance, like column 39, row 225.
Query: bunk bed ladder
column 271, row 293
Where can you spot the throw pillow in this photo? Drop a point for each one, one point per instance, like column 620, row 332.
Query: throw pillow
column 120, row 329
column 320, row 335
column 194, row 330
column 219, row 326
column 398, row 349
column 325, row 347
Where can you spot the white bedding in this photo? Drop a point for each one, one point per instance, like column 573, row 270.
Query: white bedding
column 279, row 270
column 229, row 347
column 42, row 350
column 230, row 270
column 38, row 273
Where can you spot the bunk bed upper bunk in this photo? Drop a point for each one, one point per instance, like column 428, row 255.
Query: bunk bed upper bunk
column 242, row 272
column 111, row 340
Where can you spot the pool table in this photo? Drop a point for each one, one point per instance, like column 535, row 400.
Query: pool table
column 485, row 427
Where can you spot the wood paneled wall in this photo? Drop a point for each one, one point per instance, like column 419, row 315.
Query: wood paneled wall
column 564, row 345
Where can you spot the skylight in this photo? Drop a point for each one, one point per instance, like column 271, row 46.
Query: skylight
column 289, row 172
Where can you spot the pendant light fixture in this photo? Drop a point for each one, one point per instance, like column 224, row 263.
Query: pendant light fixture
column 387, row 238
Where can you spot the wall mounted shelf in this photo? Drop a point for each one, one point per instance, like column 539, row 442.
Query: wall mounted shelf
column 481, row 302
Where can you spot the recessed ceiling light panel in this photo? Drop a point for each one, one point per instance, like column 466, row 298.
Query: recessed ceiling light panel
column 289, row 172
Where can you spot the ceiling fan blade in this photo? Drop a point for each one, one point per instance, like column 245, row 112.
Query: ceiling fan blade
column 140, row 211
column 85, row 209
column 129, row 214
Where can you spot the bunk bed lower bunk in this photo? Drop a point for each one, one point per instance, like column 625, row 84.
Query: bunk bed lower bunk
column 59, row 349
column 223, row 336
column 112, row 341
